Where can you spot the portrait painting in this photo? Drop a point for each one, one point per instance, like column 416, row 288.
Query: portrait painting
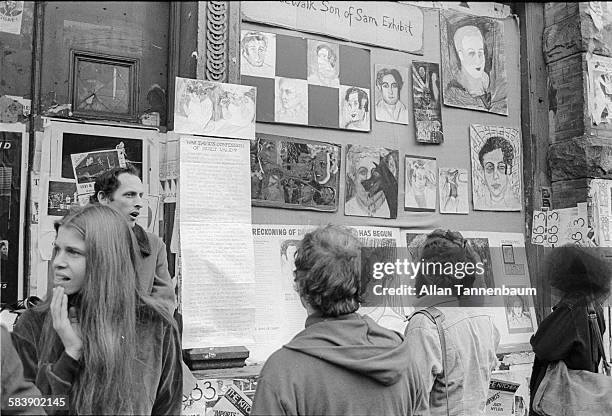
column 427, row 99
column 453, row 190
column 472, row 58
column 600, row 89
column 214, row 109
column 257, row 53
column 482, row 248
column 518, row 314
column 420, row 185
column 323, row 63
column 355, row 108
column 291, row 103
column 391, row 93
column 496, row 168
column 292, row 173
column 371, row 182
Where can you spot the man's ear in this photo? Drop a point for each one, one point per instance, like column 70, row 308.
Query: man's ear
column 102, row 198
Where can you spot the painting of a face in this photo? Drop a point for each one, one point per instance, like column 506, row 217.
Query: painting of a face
column 364, row 172
column 495, row 172
column 289, row 94
column 321, row 167
column 472, row 56
column 390, row 92
column 324, row 65
column 355, row 111
column 255, row 52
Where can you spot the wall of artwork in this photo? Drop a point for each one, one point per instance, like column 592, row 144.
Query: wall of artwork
column 441, row 164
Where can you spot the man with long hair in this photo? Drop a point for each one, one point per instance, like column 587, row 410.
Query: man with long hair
column 99, row 340
column 342, row 363
column 122, row 190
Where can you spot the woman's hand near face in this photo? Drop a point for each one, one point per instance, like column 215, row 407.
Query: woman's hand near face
column 67, row 328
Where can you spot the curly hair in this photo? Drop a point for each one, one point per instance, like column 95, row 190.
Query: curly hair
column 579, row 272
column 445, row 246
column 331, row 55
column 394, row 73
column 328, row 270
column 497, row 142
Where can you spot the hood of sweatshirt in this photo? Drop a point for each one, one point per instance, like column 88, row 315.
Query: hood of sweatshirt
column 356, row 343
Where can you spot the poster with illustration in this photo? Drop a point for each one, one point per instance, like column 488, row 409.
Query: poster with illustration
column 518, row 314
column 371, row 181
column 11, row 15
column 391, row 94
column 426, row 98
column 214, row 109
column 496, row 168
column 306, row 81
column 292, row 173
column 88, row 166
column 453, row 189
column 472, row 58
column 600, row 88
column 420, row 185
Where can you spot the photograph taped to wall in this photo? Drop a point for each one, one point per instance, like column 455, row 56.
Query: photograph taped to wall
column 88, row 166
column 496, row 168
column 214, row 109
column 287, row 172
column 308, row 80
column 453, row 186
column 73, row 143
column 420, row 186
column 62, row 196
column 427, row 102
column 371, row 181
column 599, row 77
column 391, row 93
column 472, row 59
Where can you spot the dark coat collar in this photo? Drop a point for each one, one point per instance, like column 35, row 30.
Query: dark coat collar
column 143, row 240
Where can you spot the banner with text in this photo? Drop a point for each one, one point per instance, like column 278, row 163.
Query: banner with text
column 384, row 24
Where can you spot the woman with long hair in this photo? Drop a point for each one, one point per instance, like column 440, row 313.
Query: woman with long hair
column 581, row 278
column 109, row 348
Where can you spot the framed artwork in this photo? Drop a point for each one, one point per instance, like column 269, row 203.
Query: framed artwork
column 307, row 82
column 391, row 94
column 472, row 59
column 421, row 181
column 519, row 314
column 371, row 181
column 103, row 86
column 496, row 168
column 293, row 173
column 426, row 96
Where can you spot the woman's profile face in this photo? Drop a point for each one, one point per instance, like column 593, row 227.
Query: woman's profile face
column 69, row 260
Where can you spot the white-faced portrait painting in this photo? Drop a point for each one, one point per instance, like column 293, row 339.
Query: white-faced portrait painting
column 323, row 63
column 472, row 61
column 257, row 54
column 391, row 94
column 496, row 168
column 354, row 108
column 291, row 101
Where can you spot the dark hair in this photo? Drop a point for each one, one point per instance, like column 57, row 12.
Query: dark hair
column 497, row 142
column 362, row 97
column 328, row 270
column 445, row 246
column 331, row 56
column 109, row 181
column 251, row 36
column 395, row 73
column 578, row 271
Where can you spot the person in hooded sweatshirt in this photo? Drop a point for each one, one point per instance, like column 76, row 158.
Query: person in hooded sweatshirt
column 342, row 363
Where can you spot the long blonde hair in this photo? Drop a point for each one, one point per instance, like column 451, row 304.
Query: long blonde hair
column 109, row 307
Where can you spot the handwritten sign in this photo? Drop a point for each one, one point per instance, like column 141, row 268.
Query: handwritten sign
column 384, row 24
